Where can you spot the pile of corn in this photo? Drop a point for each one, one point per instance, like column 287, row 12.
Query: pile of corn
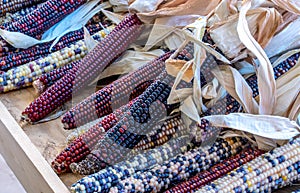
column 154, row 129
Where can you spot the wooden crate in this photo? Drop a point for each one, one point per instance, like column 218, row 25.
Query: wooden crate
column 30, row 150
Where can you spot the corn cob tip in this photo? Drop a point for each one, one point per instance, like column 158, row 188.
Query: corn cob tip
column 38, row 86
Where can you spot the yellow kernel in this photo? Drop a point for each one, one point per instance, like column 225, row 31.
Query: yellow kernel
column 250, row 169
column 249, row 183
column 284, row 178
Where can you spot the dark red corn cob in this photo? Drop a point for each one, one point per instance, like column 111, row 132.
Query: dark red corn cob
column 216, row 171
column 112, row 96
column 17, row 58
column 98, row 58
column 11, row 6
column 48, row 79
column 84, row 144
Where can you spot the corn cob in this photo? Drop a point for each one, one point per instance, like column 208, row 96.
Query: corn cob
column 15, row 5
column 18, row 58
column 163, row 175
column 216, row 171
column 81, row 146
column 101, row 56
column 24, row 75
column 48, row 79
column 103, row 180
column 267, row 173
column 115, row 94
column 170, row 128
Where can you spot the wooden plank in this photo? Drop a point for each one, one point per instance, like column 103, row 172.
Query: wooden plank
column 24, row 159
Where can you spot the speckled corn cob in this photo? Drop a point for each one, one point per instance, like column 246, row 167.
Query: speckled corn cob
column 24, row 75
column 17, row 58
column 216, row 171
column 103, row 180
column 163, row 175
column 113, row 95
column 101, row 56
column 84, row 144
column 11, row 6
column 163, row 132
column 48, row 79
column 271, row 171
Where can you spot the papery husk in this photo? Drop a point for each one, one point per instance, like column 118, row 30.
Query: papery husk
column 210, row 90
column 288, row 89
column 168, row 30
column 287, row 39
column 290, row 5
column 171, row 8
column 266, row 126
column 287, row 18
column 265, row 75
column 173, row 67
column 119, row 6
column 237, row 87
column 225, row 34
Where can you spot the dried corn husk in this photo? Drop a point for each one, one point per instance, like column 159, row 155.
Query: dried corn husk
column 170, row 8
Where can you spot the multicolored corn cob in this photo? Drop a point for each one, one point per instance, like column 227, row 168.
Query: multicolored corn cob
column 17, row 58
column 271, row 171
column 163, row 132
column 11, row 6
column 48, row 79
column 110, row 176
column 75, row 80
column 84, row 144
column 38, row 21
column 163, row 175
column 216, row 171
column 24, row 75
column 113, row 95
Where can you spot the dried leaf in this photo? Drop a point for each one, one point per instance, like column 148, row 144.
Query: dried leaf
column 141, row 6
column 287, row 39
column 116, row 18
column 225, row 33
column 272, row 127
column 189, row 109
column 265, row 77
column 89, row 41
column 237, row 87
column 173, row 67
column 288, row 89
column 179, row 95
column 210, row 90
column 291, row 5
column 177, row 8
